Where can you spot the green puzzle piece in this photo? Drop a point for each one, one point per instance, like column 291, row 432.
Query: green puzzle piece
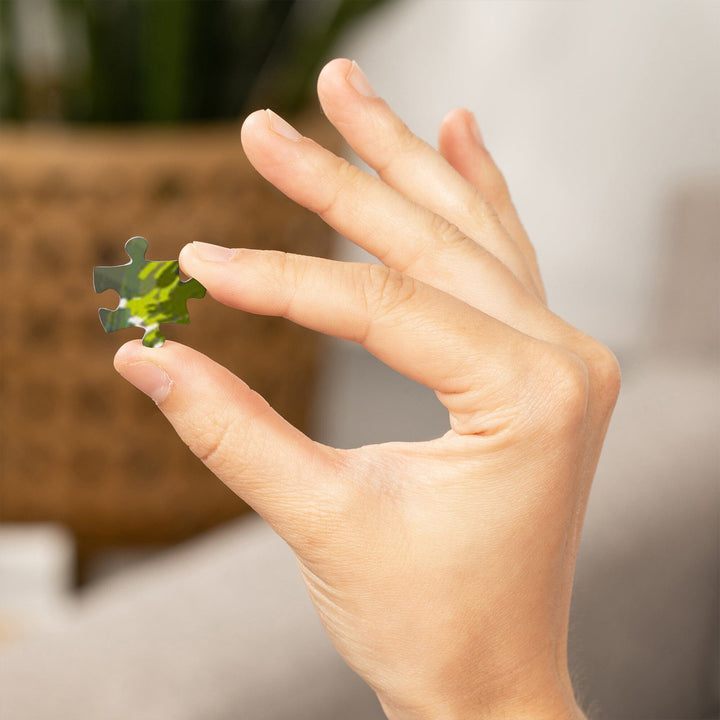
column 150, row 293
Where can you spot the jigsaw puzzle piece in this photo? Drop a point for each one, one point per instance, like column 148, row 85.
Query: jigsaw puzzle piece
column 115, row 319
column 136, row 247
column 112, row 277
column 124, row 317
column 150, row 293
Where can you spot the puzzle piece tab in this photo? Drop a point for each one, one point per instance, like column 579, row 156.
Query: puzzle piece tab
column 150, row 293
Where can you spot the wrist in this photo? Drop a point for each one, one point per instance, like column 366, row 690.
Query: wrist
column 550, row 702
column 542, row 710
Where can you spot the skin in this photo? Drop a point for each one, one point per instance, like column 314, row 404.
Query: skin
column 442, row 570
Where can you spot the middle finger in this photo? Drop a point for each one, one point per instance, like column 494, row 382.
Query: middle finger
column 411, row 166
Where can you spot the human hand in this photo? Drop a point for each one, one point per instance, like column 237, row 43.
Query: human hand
column 441, row 570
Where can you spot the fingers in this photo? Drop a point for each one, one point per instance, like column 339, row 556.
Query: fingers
column 411, row 166
column 421, row 332
column 402, row 234
column 260, row 456
column 461, row 145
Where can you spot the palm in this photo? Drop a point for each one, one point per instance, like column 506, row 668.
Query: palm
column 445, row 521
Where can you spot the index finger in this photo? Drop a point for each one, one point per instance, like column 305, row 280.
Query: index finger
column 466, row 356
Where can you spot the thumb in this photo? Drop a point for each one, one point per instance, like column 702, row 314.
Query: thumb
column 280, row 472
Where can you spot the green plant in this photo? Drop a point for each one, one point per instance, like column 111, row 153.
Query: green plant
column 163, row 60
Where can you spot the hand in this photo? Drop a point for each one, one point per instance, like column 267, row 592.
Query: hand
column 441, row 570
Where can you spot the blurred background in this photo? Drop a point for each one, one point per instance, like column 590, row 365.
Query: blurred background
column 134, row 584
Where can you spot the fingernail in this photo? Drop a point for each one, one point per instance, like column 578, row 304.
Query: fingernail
column 282, row 127
column 149, row 378
column 356, row 77
column 475, row 130
column 212, row 253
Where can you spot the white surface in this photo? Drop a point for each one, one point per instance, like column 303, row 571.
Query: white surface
column 36, row 571
column 217, row 629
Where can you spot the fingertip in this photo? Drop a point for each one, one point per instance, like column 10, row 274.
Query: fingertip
column 128, row 353
column 456, row 115
column 186, row 258
column 254, row 117
column 140, row 367
column 343, row 89
column 460, row 125
column 330, row 82
column 134, row 351
column 451, row 133
column 337, row 68
column 255, row 121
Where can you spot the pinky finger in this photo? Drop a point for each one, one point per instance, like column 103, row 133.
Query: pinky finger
column 461, row 145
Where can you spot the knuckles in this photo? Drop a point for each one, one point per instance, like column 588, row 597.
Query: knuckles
column 210, row 440
column 382, row 290
column 447, row 234
column 605, row 374
column 569, row 387
column 399, row 141
column 227, row 443
column 343, row 177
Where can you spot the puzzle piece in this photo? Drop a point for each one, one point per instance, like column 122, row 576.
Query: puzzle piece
column 150, row 293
